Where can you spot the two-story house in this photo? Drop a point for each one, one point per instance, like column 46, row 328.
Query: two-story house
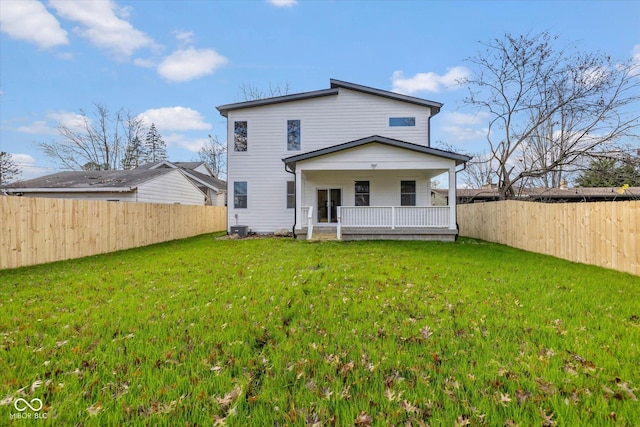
column 351, row 159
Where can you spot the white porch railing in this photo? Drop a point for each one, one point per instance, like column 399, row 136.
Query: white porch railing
column 307, row 220
column 382, row 217
column 393, row 216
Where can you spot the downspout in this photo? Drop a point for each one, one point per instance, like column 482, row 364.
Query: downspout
column 464, row 166
column 295, row 202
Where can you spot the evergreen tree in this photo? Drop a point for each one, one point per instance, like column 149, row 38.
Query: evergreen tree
column 608, row 172
column 9, row 171
column 135, row 154
column 155, row 147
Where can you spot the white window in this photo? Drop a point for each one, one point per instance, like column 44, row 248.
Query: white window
column 291, row 194
column 240, row 194
column 407, row 193
column 402, row 121
column 240, row 136
column 362, row 193
column 293, row 135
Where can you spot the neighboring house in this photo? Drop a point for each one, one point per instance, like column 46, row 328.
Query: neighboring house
column 200, row 175
column 137, row 185
column 350, row 159
column 551, row 195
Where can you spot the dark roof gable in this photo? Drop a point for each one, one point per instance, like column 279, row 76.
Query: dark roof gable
column 334, row 90
column 459, row 158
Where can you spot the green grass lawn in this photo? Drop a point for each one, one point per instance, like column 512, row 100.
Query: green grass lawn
column 266, row 332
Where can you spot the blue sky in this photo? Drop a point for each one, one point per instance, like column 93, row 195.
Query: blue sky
column 173, row 62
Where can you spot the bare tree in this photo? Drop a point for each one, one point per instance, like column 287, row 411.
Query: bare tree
column 135, row 153
column 9, row 171
column 479, row 171
column 549, row 108
column 214, row 154
column 249, row 92
column 96, row 142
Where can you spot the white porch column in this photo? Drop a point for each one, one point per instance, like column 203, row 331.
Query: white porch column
column 298, row 199
column 452, row 197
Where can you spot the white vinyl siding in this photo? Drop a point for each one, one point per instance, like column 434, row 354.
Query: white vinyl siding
column 172, row 187
column 375, row 156
column 326, row 121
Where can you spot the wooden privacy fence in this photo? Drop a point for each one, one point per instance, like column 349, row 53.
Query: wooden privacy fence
column 39, row 230
column 606, row 234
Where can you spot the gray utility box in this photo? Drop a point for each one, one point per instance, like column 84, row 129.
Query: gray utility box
column 240, row 230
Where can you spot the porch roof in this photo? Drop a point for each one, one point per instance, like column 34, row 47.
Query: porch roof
column 458, row 158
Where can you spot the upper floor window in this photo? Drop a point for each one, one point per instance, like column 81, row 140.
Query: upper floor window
column 407, row 193
column 240, row 194
column 402, row 121
column 240, row 136
column 362, row 193
column 293, row 135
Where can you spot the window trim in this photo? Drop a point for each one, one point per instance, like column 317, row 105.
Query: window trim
column 245, row 195
column 367, row 195
column 414, row 193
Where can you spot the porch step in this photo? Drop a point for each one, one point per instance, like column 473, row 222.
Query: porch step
column 324, row 234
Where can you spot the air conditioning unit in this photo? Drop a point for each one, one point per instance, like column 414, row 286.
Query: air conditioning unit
column 240, row 230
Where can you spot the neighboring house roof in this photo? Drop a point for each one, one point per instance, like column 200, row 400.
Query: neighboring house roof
column 190, row 165
column 576, row 194
column 207, row 180
column 87, row 181
column 459, row 158
column 334, row 90
column 187, row 169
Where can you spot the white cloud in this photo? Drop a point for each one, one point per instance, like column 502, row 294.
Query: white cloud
column 464, row 127
column 190, row 63
column 27, row 163
column 175, row 119
column 184, row 37
column 144, row 62
column 104, row 24
column 283, row 3
column 636, row 55
column 39, row 127
column 69, row 119
column 428, row 82
column 50, row 124
column 178, row 140
column 29, row 20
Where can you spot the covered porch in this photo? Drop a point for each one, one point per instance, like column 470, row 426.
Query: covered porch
column 375, row 188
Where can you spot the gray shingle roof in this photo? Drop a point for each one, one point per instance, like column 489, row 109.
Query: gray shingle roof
column 334, row 90
column 90, row 180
